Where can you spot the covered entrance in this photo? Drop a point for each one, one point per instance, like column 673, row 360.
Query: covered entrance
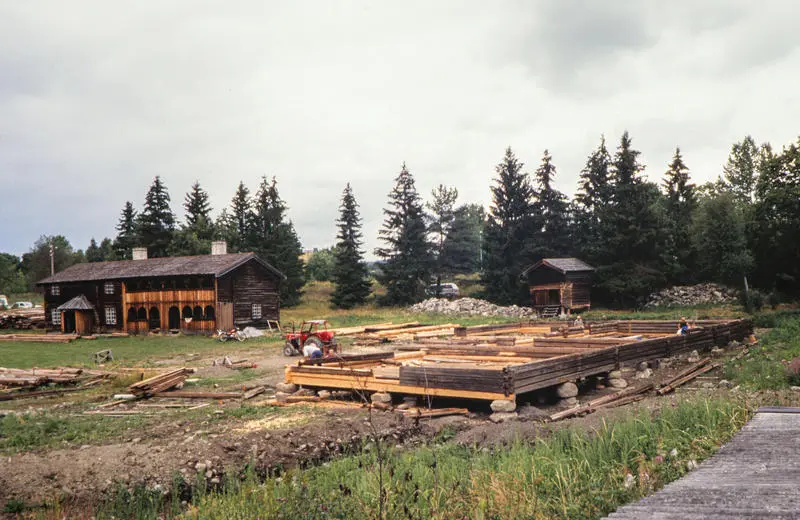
column 77, row 316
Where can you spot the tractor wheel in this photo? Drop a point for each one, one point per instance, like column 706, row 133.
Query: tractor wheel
column 288, row 350
column 313, row 340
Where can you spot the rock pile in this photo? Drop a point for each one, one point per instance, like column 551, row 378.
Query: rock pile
column 692, row 295
column 471, row 307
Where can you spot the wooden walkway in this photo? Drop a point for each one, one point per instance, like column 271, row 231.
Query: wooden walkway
column 755, row 475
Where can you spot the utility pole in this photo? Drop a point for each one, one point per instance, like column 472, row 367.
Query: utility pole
column 52, row 259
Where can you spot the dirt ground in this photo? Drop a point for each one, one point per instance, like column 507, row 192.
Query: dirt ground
column 296, row 435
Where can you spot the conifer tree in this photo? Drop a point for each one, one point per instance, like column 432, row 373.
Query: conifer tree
column 680, row 206
column 241, row 216
column 274, row 239
column 156, row 223
column 93, row 253
column 740, row 172
column 107, row 250
column 198, row 213
column 407, row 265
column 551, row 215
column 505, row 235
column 127, row 235
column 462, row 248
column 590, row 201
column 349, row 272
column 440, row 220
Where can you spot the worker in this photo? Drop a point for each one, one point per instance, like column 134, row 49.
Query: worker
column 683, row 326
column 312, row 351
column 578, row 321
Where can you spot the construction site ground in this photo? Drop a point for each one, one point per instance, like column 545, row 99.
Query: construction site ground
column 224, row 436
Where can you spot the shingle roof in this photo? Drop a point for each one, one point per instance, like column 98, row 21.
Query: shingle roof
column 216, row 265
column 78, row 303
column 564, row 265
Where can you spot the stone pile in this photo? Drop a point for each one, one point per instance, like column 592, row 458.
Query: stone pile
column 471, row 307
column 699, row 294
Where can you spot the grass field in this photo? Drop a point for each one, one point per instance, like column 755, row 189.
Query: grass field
column 764, row 367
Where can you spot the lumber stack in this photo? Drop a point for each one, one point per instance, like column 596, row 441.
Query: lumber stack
column 38, row 338
column 38, row 376
column 160, row 383
column 23, row 319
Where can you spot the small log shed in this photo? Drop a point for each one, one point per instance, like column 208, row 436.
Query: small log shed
column 559, row 285
column 77, row 315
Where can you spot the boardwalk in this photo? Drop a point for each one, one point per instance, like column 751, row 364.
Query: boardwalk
column 755, row 475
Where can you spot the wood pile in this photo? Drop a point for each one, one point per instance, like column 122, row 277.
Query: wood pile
column 161, row 382
column 20, row 383
column 616, row 399
column 23, row 319
column 687, row 375
column 38, row 338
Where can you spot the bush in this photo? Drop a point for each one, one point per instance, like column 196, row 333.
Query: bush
column 753, row 300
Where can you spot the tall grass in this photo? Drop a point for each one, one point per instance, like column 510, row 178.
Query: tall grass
column 572, row 474
column 764, row 366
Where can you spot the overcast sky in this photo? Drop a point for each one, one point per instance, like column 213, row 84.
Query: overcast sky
column 98, row 97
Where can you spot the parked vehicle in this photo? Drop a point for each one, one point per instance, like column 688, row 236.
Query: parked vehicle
column 445, row 290
column 233, row 334
column 3, row 301
column 312, row 332
column 22, row 305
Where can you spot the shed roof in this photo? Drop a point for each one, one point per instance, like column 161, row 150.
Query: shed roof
column 216, row 265
column 78, row 303
column 563, row 265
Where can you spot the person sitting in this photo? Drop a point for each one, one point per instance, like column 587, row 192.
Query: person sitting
column 683, row 327
column 312, row 351
column 578, row 322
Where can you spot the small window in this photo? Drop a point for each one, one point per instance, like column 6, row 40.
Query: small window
column 111, row 315
column 209, row 312
column 141, row 315
column 55, row 316
column 132, row 314
column 198, row 313
column 255, row 313
column 108, row 287
column 187, row 312
column 55, row 290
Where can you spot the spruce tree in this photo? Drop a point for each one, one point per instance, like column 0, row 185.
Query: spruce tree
column 127, row 235
column 740, row 172
column 718, row 235
column 551, row 215
column 93, row 253
column 680, row 206
column 241, row 217
column 156, row 223
column 462, row 248
column 506, row 233
column 198, row 213
column 107, row 250
column 407, row 261
column 632, row 233
column 274, row 239
column 349, row 272
column 592, row 197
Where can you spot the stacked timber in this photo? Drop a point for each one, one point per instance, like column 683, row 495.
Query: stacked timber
column 38, row 376
column 23, row 319
column 38, row 338
column 160, row 383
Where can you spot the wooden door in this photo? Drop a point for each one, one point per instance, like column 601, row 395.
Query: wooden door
column 224, row 316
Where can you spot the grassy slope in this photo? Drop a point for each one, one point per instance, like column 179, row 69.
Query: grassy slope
column 570, row 475
column 764, row 367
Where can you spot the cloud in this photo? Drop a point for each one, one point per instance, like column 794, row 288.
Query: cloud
column 99, row 97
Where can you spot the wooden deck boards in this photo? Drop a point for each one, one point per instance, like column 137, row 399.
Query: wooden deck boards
column 755, row 476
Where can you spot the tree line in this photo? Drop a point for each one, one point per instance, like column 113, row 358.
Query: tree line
column 640, row 235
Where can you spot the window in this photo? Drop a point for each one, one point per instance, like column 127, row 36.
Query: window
column 55, row 316
column 255, row 312
column 111, row 315
column 209, row 312
column 132, row 314
column 187, row 312
column 141, row 314
column 198, row 313
column 108, row 287
column 55, row 290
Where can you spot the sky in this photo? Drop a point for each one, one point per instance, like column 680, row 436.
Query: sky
column 98, row 97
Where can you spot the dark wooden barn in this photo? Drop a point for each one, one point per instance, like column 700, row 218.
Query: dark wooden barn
column 193, row 294
column 559, row 285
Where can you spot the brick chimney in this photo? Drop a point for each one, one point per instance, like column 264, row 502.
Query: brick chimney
column 139, row 253
column 219, row 247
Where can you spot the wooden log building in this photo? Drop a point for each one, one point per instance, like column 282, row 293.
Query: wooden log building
column 191, row 294
column 559, row 285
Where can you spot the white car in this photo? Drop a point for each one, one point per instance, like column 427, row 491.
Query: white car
column 445, row 290
column 22, row 305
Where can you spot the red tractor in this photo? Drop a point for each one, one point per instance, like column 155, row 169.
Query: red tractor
column 312, row 332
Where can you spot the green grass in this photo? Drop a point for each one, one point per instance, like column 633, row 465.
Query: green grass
column 763, row 368
column 571, row 474
column 700, row 312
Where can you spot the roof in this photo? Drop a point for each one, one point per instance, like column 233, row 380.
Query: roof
column 78, row 303
column 563, row 265
column 216, row 265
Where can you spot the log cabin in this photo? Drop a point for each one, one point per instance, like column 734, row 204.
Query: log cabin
column 559, row 285
column 190, row 294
